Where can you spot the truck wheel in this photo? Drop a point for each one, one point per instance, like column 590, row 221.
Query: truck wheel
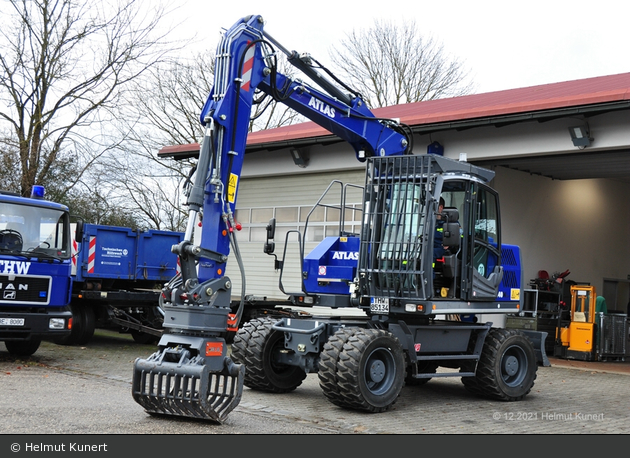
column 83, row 326
column 507, row 367
column 329, row 358
column 22, row 347
column 255, row 345
column 370, row 370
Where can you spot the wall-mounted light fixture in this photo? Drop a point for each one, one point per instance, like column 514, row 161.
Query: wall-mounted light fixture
column 435, row 148
column 580, row 136
column 300, row 157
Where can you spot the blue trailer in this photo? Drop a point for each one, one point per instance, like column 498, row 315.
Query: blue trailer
column 118, row 274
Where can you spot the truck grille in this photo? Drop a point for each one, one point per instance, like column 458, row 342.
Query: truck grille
column 20, row 290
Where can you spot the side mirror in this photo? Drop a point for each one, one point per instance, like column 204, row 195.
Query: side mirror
column 78, row 231
column 270, row 246
column 271, row 229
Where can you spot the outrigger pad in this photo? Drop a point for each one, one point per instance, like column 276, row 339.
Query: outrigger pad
column 169, row 383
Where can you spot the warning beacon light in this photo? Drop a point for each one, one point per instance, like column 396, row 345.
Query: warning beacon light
column 38, row 192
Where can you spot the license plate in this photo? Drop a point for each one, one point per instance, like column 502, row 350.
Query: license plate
column 11, row 321
column 379, row 305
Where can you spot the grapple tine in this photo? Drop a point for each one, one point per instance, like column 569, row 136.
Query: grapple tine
column 187, row 387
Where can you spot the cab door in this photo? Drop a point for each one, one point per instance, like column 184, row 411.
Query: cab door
column 484, row 249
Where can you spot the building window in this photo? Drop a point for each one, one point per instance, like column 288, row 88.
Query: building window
column 323, row 221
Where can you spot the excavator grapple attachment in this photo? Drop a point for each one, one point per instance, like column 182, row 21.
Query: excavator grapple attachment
column 170, row 382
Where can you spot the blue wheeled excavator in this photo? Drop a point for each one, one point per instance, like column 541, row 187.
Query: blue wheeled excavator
column 420, row 310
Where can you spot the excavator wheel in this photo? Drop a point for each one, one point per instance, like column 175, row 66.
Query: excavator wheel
column 255, row 346
column 507, row 368
column 369, row 373
column 328, row 360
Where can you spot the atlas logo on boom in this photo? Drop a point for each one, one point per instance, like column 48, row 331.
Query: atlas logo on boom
column 322, row 107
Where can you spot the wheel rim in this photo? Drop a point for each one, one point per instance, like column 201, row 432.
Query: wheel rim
column 513, row 366
column 276, row 369
column 380, row 371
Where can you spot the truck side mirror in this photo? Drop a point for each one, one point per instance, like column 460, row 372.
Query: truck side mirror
column 270, row 246
column 78, row 231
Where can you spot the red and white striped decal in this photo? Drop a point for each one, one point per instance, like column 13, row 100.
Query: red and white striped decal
column 91, row 254
column 247, row 68
column 75, row 248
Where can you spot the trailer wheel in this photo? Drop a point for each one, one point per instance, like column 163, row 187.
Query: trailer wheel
column 22, row 347
column 507, row 367
column 370, row 370
column 255, row 345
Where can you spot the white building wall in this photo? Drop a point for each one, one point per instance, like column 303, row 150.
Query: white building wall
column 281, row 191
column 580, row 225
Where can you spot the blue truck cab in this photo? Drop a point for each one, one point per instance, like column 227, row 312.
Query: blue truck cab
column 35, row 268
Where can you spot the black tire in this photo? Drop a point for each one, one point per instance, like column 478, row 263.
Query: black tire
column 424, row 367
column 328, row 360
column 22, row 347
column 83, row 326
column 507, row 367
column 370, row 370
column 255, row 346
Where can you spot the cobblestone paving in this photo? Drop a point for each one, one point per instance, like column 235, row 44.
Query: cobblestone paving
column 564, row 400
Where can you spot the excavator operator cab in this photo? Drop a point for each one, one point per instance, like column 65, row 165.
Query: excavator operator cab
column 471, row 266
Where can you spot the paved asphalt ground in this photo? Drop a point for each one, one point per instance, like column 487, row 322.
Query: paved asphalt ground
column 86, row 390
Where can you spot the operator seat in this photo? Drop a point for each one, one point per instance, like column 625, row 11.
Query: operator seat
column 452, row 240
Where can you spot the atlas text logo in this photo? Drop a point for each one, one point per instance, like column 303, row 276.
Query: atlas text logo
column 322, row 107
column 346, row 255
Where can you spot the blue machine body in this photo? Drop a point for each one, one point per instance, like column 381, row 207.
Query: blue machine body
column 331, row 266
column 510, row 286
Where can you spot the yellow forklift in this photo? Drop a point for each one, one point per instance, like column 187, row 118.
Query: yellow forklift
column 576, row 333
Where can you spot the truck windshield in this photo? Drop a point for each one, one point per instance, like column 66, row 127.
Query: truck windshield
column 34, row 231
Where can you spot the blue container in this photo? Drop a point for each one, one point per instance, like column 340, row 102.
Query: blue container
column 111, row 252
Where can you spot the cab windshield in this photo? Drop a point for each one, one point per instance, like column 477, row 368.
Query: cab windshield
column 34, row 231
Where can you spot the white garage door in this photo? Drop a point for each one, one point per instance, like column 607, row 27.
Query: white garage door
column 289, row 199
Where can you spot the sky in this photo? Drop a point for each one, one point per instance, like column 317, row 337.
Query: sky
column 504, row 44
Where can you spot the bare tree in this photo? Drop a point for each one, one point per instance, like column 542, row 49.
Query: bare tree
column 178, row 89
column 393, row 64
column 9, row 162
column 64, row 64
